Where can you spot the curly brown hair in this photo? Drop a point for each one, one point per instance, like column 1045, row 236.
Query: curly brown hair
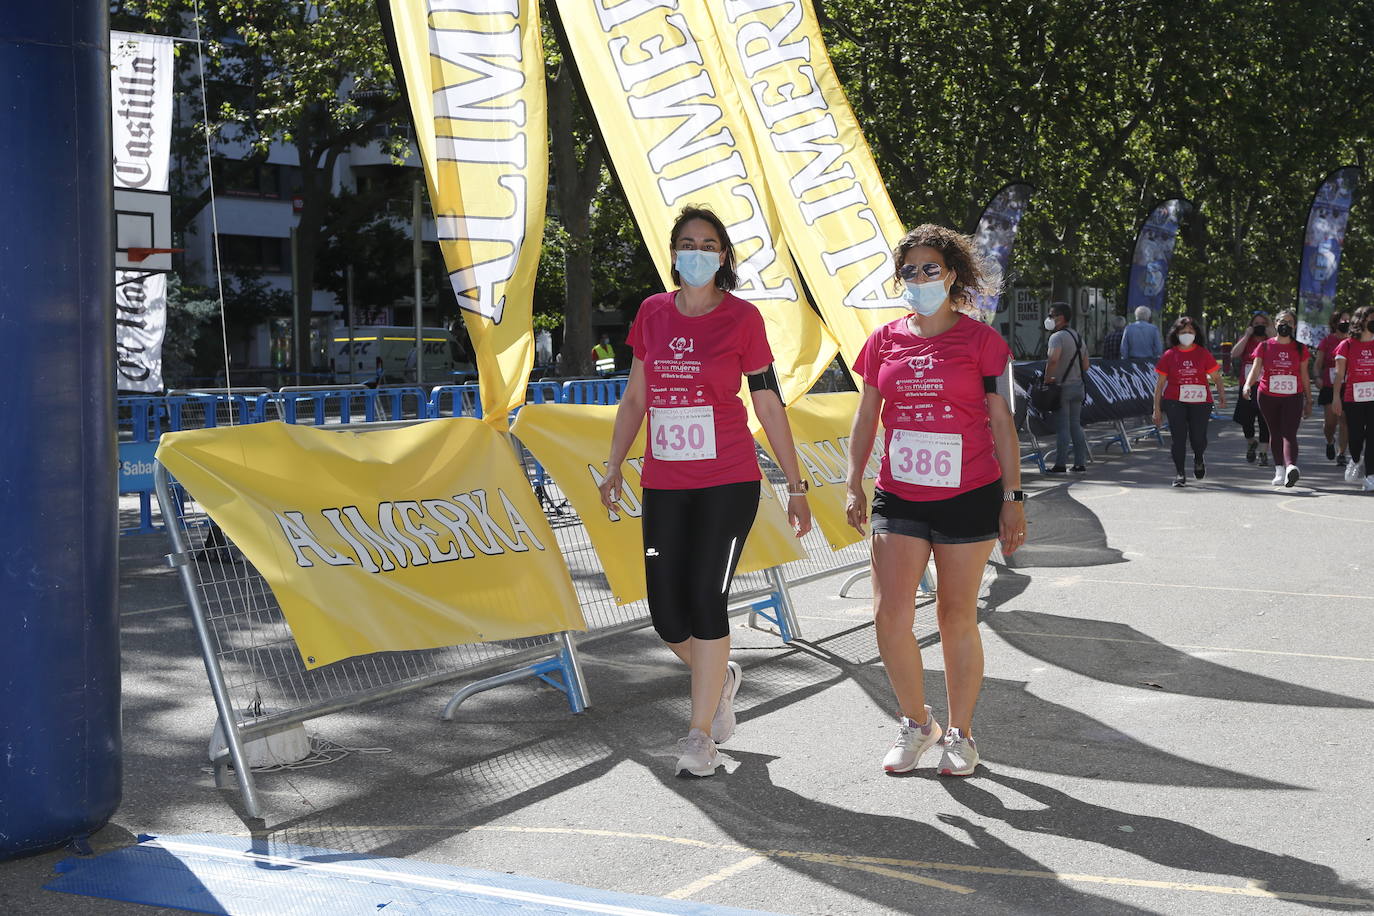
column 971, row 275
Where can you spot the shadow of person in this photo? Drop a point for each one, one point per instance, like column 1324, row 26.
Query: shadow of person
column 1120, row 654
column 1171, row 844
column 1063, row 533
column 904, row 863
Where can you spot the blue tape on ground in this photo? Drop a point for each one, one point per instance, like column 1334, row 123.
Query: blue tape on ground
column 239, row 876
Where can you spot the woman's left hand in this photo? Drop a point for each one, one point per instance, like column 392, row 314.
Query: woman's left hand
column 798, row 513
column 1012, row 526
column 1307, row 407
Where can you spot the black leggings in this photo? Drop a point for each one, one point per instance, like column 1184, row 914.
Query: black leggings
column 1247, row 415
column 1359, row 420
column 1187, row 423
column 692, row 543
column 1283, row 413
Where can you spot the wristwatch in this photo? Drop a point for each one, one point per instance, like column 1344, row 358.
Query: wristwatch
column 800, row 489
column 1013, row 496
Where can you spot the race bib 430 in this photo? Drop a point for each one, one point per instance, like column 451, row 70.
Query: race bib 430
column 683, row 433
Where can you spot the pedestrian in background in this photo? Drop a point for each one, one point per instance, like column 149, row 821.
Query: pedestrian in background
column 949, row 484
column 1355, row 381
column 1247, row 411
column 1324, row 374
column 1111, row 344
column 1067, row 363
column 1141, row 339
column 1182, row 394
column 1285, row 393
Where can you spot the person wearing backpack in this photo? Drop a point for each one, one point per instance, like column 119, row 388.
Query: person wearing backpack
column 1068, row 361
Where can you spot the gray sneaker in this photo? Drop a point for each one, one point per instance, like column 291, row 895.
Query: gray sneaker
column 960, row 757
column 723, row 725
column 699, row 754
column 912, row 741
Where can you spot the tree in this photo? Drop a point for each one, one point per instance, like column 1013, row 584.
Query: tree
column 314, row 75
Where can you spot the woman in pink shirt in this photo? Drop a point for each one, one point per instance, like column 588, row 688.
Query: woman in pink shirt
column 1285, row 393
column 949, row 484
column 692, row 346
column 1354, row 358
column 1182, row 394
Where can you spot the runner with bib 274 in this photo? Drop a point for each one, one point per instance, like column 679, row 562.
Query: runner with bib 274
column 692, row 346
column 949, row 483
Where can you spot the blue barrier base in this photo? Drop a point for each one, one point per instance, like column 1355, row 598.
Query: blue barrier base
column 205, row 873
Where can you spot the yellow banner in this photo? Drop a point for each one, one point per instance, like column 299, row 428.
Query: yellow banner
column 820, row 426
column 669, row 112
column 834, row 208
column 410, row 538
column 474, row 73
column 570, row 441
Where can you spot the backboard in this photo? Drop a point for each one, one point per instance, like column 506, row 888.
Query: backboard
column 143, row 230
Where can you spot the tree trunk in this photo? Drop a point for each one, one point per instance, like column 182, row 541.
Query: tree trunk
column 576, row 184
column 316, row 186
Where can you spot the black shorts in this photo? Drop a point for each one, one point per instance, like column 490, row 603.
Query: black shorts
column 1324, row 396
column 963, row 519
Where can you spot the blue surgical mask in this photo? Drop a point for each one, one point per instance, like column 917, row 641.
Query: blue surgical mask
column 696, row 267
column 924, row 298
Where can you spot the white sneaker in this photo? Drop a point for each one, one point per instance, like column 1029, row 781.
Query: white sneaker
column 1352, row 472
column 1292, row 476
column 912, row 741
column 699, row 754
column 723, row 725
column 1278, row 475
column 1369, row 484
column 960, row 757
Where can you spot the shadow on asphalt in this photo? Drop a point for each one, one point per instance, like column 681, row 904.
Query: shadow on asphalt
column 1120, row 654
column 1063, row 533
column 1169, row 843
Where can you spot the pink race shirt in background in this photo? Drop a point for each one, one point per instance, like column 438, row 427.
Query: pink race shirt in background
column 1327, row 348
column 1282, row 367
column 1359, row 366
column 1186, row 371
column 698, row 432
column 934, row 406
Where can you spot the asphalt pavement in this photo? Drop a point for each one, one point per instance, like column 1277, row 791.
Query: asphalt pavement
column 1176, row 718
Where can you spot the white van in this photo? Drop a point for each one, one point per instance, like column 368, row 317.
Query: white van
column 355, row 360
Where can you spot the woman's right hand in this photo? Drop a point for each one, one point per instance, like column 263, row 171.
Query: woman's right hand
column 1245, row 392
column 856, row 508
column 610, row 488
column 1158, row 418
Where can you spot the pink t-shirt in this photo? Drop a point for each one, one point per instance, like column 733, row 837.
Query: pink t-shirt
column 1282, row 367
column 1359, row 364
column 1187, row 367
column 698, row 427
column 1248, row 356
column 1327, row 348
column 935, row 417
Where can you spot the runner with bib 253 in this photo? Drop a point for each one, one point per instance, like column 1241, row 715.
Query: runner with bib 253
column 692, row 346
column 950, row 482
column 1285, row 393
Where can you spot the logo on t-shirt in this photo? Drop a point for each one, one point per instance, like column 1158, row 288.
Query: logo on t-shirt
column 920, row 363
column 682, row 345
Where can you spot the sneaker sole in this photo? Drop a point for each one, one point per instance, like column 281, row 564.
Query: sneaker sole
column 1292, row 478
column 702, row 773
column 948, row 772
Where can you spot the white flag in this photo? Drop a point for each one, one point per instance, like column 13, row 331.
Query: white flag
column 141, row 107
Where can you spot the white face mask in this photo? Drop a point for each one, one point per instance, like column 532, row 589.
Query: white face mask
column 1186, row 339
column 1049, row 324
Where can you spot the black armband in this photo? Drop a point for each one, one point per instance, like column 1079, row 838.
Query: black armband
column 990, row 383
column 767, row 380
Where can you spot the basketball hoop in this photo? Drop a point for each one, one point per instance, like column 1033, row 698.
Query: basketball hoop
column 139, row 255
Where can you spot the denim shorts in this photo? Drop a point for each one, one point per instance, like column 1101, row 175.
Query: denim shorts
column 963, row 519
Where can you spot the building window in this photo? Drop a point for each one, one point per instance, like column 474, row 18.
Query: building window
column 255, row 253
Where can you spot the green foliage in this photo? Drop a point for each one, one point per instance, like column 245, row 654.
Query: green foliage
column 192, row 312
column 1241, row 106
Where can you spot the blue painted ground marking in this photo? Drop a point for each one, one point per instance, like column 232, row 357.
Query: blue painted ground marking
column 239, row 876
